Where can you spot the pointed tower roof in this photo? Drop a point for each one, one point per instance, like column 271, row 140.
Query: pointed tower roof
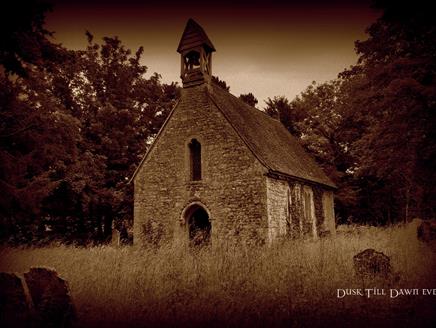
column 194, row 36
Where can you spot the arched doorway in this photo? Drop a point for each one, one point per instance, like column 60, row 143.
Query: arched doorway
column 198, row 223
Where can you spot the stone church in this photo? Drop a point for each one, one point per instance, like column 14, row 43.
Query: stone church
column 220, row 169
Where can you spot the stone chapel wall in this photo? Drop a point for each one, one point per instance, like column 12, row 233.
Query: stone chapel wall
column 232, row 188
column 296, row 210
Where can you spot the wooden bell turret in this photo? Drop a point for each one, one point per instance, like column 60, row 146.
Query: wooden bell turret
column 196, row 50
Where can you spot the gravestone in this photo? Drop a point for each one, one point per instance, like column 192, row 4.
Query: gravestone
column 51, row 298
column 14, row 309
column 371, row 263
column 115, row 241
column 427, row 231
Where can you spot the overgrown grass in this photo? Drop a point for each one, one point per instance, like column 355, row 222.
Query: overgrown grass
column 293, row 283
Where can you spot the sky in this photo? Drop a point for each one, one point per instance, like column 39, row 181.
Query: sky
column 270, row 48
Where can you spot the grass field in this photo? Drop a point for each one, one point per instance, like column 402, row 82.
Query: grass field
column 291, row 284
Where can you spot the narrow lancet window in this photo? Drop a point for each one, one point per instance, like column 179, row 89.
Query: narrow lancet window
column 195, row 159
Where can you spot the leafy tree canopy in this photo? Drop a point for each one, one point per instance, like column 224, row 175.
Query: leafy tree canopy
column 249, row 99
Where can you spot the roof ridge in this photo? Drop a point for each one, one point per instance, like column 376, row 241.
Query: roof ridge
column 245, row 104
column 270, row 142
column 261, row 160
column 268, row 139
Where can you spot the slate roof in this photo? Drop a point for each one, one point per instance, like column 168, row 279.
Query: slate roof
column 194, row 36
column 268, row 139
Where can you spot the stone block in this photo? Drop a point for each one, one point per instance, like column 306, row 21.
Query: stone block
column 14, row 308
column 426, row 231
column 371, row 263
column 51, row 298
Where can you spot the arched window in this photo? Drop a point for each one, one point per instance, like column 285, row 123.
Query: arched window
column 195, row 159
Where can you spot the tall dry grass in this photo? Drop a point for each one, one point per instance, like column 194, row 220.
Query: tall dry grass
column 292, row 283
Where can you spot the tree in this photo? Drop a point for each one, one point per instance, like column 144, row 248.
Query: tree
column 319, row 118
column 38, row 136
column 120, row 111
column 71, row 136
column 38, row 140
column 220, row 83
column 398, row 145
column 372, row 128
column 249, row 99
column 283, row 110
column 25, row 41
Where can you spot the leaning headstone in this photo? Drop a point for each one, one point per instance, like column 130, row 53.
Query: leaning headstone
column 51, row 298
column 371, row 263
column 115, row 238
column 14, row 309
column 426, row 231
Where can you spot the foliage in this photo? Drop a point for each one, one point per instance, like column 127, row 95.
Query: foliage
column 249, row 99
column 280, row 108
column 220, row 83
column 398, row 146
column 119, row 110
column 38, row 141
column 71, row 135
column 372, row 128
column 24, row 39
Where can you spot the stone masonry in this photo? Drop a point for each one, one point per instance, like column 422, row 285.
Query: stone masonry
column 222, row 170
column 233, row 186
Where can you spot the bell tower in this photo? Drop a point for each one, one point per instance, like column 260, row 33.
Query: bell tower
column 196, row 50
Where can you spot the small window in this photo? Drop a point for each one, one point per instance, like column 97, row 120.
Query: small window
column 195, row 159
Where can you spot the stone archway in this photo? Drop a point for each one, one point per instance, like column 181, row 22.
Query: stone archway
column 198, row 223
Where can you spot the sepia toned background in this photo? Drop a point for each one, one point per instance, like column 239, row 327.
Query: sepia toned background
column 270, row 48
column 77, row 118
